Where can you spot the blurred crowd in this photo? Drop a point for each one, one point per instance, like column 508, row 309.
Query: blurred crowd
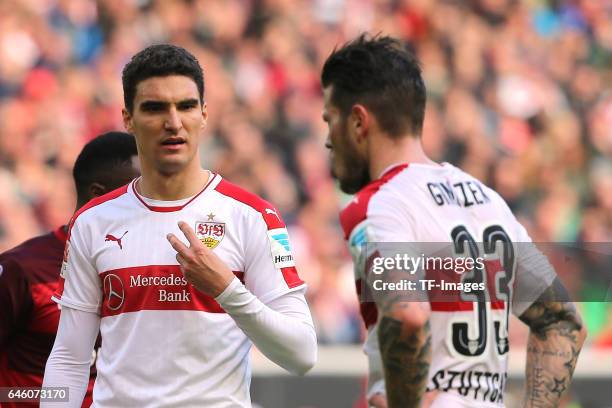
column 518, row 95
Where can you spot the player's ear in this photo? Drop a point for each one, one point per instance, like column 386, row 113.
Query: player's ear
column 127, row 121
column 204, row 114
column 96, row 190
column 360, row 121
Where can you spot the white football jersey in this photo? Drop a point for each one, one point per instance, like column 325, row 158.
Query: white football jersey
column 164, row 342
column 424, row 205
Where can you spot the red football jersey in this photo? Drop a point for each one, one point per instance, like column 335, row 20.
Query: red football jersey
column 29, row 275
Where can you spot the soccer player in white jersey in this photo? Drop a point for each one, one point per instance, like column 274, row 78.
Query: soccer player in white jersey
column 181, row 270
column 374, row 107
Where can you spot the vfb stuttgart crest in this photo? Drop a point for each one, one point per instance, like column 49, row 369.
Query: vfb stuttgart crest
column 210, row 233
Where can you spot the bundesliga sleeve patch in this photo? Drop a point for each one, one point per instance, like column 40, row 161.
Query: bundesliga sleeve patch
column 281, row 249
column 64, row 267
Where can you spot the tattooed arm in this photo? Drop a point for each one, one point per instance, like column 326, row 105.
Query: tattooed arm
column 405, row 346
column 555, row 339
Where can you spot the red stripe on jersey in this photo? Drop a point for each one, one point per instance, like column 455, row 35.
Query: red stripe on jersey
column 152, row 287
column 270, row 215
column 95, row 202
column 461, row 306
column 173, row 208
column 449, row 301
column 368, row 310
column 452, row 306
column 291, row 277
column 61, row 233
column 493, row 267
column 440, row 300
column 356, row 211
column 91, row 204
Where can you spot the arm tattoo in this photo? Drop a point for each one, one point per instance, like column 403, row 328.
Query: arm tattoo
column 406, row 358
column 555, row 341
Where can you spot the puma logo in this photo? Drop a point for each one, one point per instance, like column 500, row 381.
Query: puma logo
column 269, row 211
column 110, row 237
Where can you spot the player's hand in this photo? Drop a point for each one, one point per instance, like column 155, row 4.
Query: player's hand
column 377, row 401
column 428, row 398
column 200, row 266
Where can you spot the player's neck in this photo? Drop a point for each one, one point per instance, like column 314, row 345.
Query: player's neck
column 385, row 152
column 172, row 187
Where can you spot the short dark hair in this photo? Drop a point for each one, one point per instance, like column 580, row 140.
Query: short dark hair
column 380, row 73
column 99, row 157
column 160, row 60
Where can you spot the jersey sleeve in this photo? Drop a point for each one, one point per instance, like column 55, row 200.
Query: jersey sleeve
column 15, row 298
column 79, row 282
column 70, row 358
column 282, row 330
column 269, row 265
column 388, row 222
column 534, row 273
column 380, row 221
column 385, row 231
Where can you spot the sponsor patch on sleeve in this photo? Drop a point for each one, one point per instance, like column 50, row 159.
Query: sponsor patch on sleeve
column 65, row 260
column 281, row 249
column 357, row 241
